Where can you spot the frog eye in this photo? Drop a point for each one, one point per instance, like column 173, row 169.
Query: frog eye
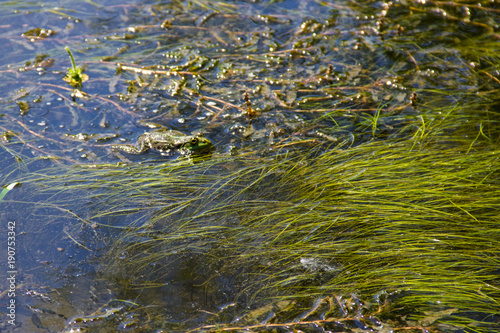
column 194, row 141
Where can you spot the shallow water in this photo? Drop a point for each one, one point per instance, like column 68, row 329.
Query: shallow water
column 319, row 76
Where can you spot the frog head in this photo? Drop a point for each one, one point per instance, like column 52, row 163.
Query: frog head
column 197, row 143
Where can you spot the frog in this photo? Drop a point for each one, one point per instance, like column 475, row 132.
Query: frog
column 165, row 140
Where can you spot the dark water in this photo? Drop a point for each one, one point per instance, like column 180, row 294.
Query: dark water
column 316, row 73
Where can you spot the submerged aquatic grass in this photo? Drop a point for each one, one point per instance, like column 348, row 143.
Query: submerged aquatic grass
column 400, row 234
column 409, row 235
